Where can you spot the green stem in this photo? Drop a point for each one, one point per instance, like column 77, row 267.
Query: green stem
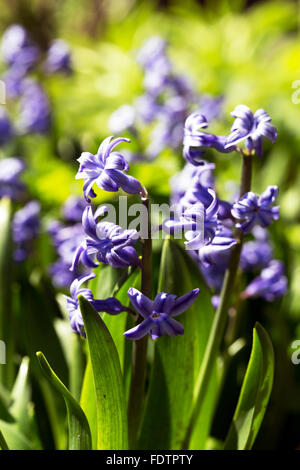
column 139, row 357
column 220, row 320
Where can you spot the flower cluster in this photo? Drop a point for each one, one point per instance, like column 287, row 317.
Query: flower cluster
column 107, row 169
column 212, row 226
column 110, row 305
column 253, row 209
column 26, row 227
column 108, row 243
column 271, row 284
column 248, row 127
column 10, row 183
column 158, row 314
column 105, row 242
column 66, row 235
column 167, row 101
column 22, row 57
column 212, row 237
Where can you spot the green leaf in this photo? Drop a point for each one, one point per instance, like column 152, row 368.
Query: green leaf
column 177, row 360
column 116, row 324
column 108, row 281
column 14, row 439
column 88, row 401
column 20, row 396
column 255, row 393
column 3, row 443
column 79, row 431
column 105, row 282
column 77, row 364
column 36, row 316
column 6, row 318
column 112, row 425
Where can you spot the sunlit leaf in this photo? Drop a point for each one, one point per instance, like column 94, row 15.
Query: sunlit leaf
column 6, row 318
column 79, row 431
column 3, row 443
column 255, row 393
column 112, row 425
column 14, row 438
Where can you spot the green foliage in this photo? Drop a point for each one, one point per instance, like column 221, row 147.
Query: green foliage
column 79, row 431
column 255, row 393
column 109, row 389
column 250, row 55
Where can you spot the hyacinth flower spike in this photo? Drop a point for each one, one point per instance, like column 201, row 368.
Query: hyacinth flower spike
column 111, row 305
column 251, row 128
column 105, row 242
column 271, row 284
column 199, row 224
column 252, row 209
column 107, row 169
column 158, row 314
column 195, row 141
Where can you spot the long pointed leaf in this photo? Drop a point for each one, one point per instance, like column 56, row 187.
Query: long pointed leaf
column 21, row 397
column 14, row 439
column 108, row 282
column 3, row 443
column 255, row 393
column 112, row 425
column 79, row 431
column 6, row 318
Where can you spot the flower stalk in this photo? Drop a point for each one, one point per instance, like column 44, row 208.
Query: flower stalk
column 139, row 355
column 220, row 320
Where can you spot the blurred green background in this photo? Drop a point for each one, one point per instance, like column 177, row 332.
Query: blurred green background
column 249, row 52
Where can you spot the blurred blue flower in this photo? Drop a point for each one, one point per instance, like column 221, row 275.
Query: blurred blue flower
column 10, row 184
column 17, row 48
column 6, row 128
column 158, row 314
column 151, row 51
column 35, row 112
column 147, row 107
column 73, row 209
column 251, row 128
column 210, row 106
column 60, row 274
column 252, row 209
column 111, row 305
column 168, row 131
column 106, row 169
column 13, row 79
column 122, row 119
column 257, row 253
column 26, row 227
column 271, row 284
column 105, row 241
column 213, row 275
column 58, row 57
column 65, row 240
column 152, row 57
